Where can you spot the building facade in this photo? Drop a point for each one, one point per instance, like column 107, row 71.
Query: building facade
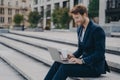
column 43, row 6
column 109, row 15
column 112, row 11
column 8, row 8
column 109, row 11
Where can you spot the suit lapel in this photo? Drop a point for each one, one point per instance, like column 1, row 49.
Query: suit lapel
column 87, row 32
column 86, row 35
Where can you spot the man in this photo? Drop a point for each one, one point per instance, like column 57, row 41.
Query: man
column 89, row 59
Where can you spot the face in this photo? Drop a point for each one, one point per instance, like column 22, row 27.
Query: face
column 79, row 19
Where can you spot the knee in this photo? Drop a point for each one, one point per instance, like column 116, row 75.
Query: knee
column 57, row 63
column 63, row 67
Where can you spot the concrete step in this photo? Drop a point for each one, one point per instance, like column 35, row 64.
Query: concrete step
column 111, row 59
column 26, row 48
column 4, row 31
column 6, row 72
column 115, row 34
column 108, row 76
column 28, row 66
column 38, row 42
column 31, row 51
column 69, row 38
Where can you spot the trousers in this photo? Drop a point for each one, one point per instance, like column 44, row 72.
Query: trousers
column 59, row 71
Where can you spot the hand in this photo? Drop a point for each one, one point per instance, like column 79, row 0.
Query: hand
column 70, row 56
column 75, row 60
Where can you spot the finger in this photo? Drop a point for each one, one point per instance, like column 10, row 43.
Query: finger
column 68, row 56
column 73, row 60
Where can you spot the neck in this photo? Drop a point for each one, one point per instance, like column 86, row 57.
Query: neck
column 86, row 22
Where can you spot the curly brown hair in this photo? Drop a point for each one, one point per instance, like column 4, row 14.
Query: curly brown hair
column 80, row 8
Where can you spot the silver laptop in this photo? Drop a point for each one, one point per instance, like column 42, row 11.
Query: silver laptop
column 57, row 55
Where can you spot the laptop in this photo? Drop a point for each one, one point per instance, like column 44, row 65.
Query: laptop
column 57, row 55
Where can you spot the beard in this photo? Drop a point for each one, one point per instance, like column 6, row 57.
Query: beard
column 81, row 23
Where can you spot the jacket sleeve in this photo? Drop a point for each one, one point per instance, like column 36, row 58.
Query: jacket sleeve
column 99, row 43
column 77, row 53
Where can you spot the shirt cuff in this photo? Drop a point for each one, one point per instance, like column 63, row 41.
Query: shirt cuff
column 83, row 62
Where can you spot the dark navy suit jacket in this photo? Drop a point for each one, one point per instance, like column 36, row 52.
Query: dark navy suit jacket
column 92, row 48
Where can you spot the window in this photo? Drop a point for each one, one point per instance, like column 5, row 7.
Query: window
column 36, row 9
column 80, row 1
column 64, row 4
column 30, row 5
column 57, row 5
column 48, row 0
column 23, row 0
column 76, row 2
column 1, row 2
column 113, row 4
column 9, row 4
column 17, row 11
column 110, row 3
column 16, row 3
column 48, row 10
column 42, row 11
column 35, row 1
column 1, row 19
column 118, row 3
column 1, row 10
column 9, row 19
column 10, row 11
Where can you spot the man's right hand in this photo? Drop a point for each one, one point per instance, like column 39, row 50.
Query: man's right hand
column 70, row 56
